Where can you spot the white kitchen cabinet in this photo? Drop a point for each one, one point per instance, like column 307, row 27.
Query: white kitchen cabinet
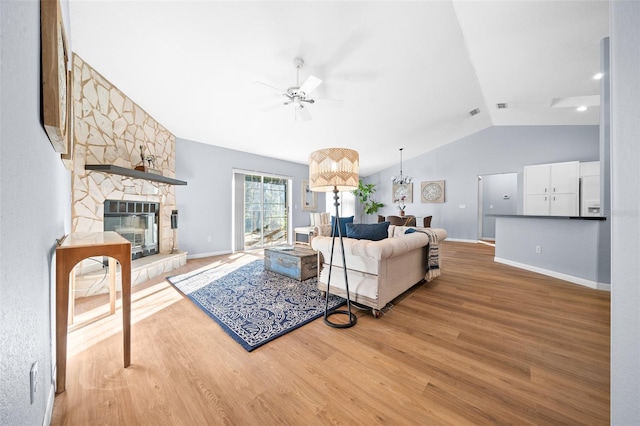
column 564, row 205
column 552, row 189
column 536, row 179
column 536, row 204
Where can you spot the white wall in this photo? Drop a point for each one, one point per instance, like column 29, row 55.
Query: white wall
column 569, row 247
column 35, row 200
column 503, row 149
column 204, row 205
column 625, row 213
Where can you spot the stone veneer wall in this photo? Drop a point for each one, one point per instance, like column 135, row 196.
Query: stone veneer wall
column 109, row 128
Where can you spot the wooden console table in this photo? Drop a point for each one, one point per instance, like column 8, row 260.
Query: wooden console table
column 74, row 248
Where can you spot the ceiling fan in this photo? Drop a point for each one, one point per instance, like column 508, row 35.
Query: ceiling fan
column 298, row 95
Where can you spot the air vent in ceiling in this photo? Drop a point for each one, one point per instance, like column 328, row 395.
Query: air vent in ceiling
column 474, row 112
column 501, row 106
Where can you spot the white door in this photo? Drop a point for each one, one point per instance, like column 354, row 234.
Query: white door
column 261, row 211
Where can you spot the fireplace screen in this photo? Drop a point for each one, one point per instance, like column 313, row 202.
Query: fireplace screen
column 137, row 221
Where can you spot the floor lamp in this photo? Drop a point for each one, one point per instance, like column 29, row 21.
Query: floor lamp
column 335, row 170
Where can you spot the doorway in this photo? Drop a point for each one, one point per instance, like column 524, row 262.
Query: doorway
column 497, row 194
column 262, row 214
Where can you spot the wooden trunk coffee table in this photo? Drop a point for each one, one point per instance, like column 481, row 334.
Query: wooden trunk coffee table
column 296, row 262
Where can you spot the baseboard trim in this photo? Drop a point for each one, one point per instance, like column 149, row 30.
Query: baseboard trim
column 565, row 277
column 461, row 240
column 49, row 412
column 214, row 253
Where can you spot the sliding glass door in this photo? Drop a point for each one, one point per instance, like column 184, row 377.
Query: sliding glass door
column 265, row 210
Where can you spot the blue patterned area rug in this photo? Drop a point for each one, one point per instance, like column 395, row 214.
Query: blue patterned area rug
column 252, row 305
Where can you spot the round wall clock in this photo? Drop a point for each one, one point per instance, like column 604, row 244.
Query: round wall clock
column 433, row 192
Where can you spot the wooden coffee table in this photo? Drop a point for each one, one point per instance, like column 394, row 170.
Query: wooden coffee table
column 297, row 262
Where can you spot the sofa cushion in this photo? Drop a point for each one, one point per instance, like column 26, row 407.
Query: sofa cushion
column 342, row 223
column 368, row 231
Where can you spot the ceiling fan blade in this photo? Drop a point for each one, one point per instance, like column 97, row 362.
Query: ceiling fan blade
column 269, row 86
column 303, row 113
column 310, row 84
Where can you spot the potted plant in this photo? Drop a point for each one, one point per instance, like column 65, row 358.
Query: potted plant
column 364, row 193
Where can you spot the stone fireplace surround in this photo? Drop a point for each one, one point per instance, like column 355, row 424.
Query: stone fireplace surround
column 109, row 128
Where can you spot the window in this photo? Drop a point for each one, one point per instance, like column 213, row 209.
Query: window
column 347, row 204
column 263, row 217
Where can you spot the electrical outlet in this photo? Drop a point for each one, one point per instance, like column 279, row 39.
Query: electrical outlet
column 34, row 380
column 538, row 249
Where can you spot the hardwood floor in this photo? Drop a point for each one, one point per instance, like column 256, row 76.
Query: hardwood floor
column 484, row 343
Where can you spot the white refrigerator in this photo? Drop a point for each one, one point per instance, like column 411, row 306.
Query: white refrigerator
column 590, row 195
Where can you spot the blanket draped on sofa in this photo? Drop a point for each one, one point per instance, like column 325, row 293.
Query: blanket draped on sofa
column 433, row 256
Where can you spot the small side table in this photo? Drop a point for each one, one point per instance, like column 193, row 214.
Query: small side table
column 305, row 230
column 74, row 248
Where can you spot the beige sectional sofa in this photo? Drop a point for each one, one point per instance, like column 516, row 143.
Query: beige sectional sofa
column 380, row 271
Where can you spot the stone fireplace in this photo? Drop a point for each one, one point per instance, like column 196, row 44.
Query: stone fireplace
column 110, row 129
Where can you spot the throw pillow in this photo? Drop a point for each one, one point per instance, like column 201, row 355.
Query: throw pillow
column 368, row 231
column 317, row 219
column 342, row 223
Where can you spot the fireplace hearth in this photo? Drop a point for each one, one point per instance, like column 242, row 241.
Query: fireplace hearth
column 137, row 221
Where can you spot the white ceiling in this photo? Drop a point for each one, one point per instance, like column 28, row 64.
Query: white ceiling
column 408, row 73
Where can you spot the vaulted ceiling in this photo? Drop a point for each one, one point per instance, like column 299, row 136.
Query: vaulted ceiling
column 406, row 74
